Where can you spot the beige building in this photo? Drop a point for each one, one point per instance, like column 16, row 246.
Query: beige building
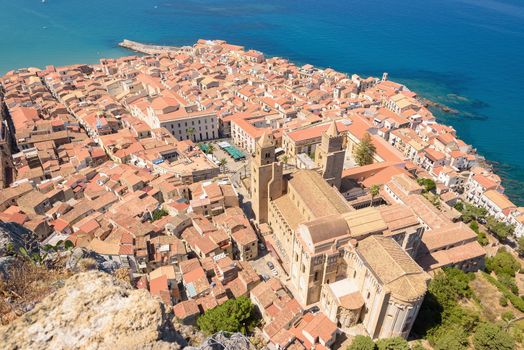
column 384, row 289
column 357, row 263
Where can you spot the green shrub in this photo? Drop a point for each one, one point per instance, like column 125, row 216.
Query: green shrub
column 503, row 263
column 235, row 315
column 489, row 336
column 396, row 343
column 508, row 282
column 361, row 342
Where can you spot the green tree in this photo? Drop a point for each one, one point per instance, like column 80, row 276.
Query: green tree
column 396, row 343
column 364, row 151
column 361, row 342
column 159, row 213
column 499, row 229
column 235, row 315
column 451, row 339
column 451, row 285
column 471, row 212
column 474, row 226
column 459, row 317
column 428, row 184
column 222, row 163
column 374, row 190
column 489, row 336
column 440, row 307
column 190, row 132
column 521, row 245
column 459, row 206
column 210, row 148
column 507, row 316
column 481, row 236
column 503, row 263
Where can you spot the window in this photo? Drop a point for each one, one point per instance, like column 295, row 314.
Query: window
column 316, row 276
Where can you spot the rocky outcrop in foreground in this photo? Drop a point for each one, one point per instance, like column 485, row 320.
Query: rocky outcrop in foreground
column 92, row 311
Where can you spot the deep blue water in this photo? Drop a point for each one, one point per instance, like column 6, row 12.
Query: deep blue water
column 468, row 54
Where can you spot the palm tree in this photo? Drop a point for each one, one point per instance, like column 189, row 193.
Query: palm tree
column 374, row 190
column 191, row 132
column 222, row 164
column 285, row 159
column 210, row 149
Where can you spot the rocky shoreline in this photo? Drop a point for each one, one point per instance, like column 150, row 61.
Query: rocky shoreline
column 432, row 104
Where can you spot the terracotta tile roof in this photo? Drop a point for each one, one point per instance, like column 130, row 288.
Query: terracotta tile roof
column 394, row 268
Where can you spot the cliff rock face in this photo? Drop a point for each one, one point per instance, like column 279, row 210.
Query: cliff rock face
column 16, row 235
column 13, row 236
column 92, row 311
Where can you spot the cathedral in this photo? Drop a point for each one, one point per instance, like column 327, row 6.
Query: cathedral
column 357, row 264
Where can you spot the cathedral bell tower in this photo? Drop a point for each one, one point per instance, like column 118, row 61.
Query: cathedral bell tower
column 330, row 155
column 266, row 177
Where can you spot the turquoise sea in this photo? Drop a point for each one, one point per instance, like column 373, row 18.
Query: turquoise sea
column 468, row 54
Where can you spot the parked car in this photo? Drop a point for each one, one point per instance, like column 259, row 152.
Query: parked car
column 270, row 265
column 313, row 309
column 265, row 278
column 274, row 272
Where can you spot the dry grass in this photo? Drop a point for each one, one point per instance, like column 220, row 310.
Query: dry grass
column 123, row 274
column 27, row 285
column 489, row 297
column 87, row 264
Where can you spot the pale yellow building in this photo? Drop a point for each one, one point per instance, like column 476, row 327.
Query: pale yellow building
column 322, row 242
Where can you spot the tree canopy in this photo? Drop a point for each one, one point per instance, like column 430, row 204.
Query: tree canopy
column 159, row 213
column 396, row 343
column 521, row 245
column 364, row 151
column 450, row 285
column 503, row 263
column 498, row 228
column 235, row 315
column 361, row 342
column 471, row 212
column 451, row 339
column 489, row 336
column 428, row 184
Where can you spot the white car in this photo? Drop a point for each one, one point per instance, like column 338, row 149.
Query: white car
column 274, row 272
